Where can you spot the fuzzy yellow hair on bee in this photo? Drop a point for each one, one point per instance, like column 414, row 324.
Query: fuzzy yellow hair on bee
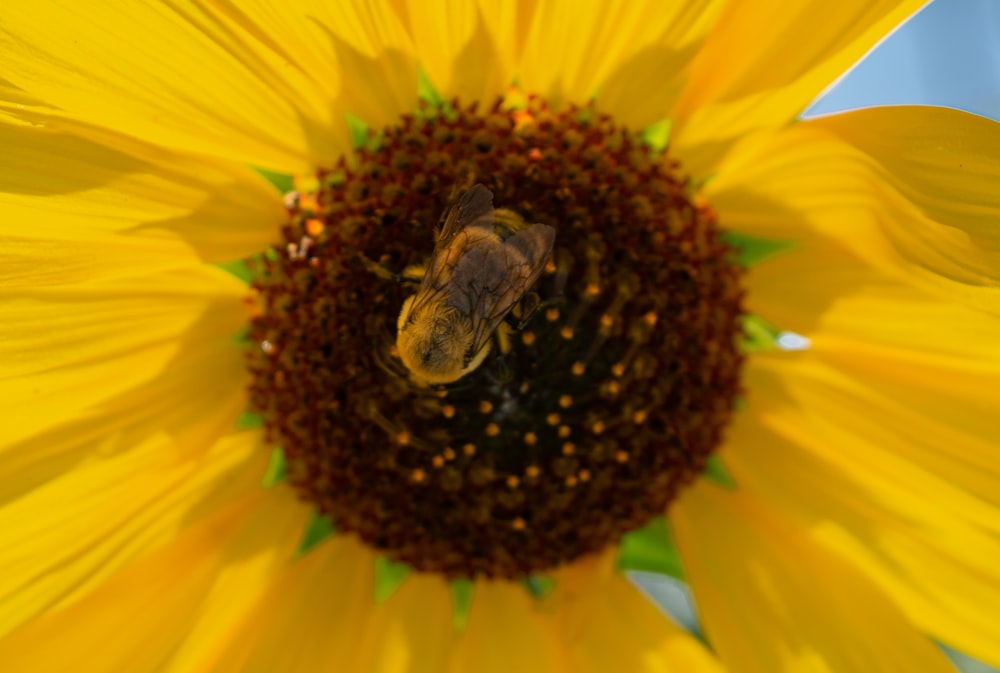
column 484, row 261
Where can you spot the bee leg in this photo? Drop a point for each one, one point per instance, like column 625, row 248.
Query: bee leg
column 502, row 336
column 501, row 373
column 411, row 274
column 527, row 314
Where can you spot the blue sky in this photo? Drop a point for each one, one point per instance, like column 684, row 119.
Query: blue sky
column 948, row 54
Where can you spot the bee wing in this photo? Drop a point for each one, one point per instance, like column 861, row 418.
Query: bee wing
column 535, row 245
column 503, row 277
column 474, row 207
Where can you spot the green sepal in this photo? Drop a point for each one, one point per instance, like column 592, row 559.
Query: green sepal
column 752, row 250
column 238, row 268
column 249, row 420
column 242, row 338
column 652, row 549
column 539, row 586
column 657, row 136
column 277, row 469
column 283, row 182
column 359, row 131
column 426, row 90
column 461, row 597
column 318, row 529
column 717, row 473
column 389, row 576
column 760, row 335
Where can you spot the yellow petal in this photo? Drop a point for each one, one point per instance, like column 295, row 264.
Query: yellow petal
column 574, row 50
column 807, row 185
column 766, row 61
column 254, row 557
column 653, row 66
column 609, row 625
column 467, row 49
column 899, row 445
column 14, row 100
column 321, row 615
column 142, row 618
column 313, row 617
column 74, row 209
column 378, row 66
column 67, row 536
column 122, row 347
column 929, row 365
column 506, row 632
column 627, row 633
column 183, row 75
column 772, row 599
column 412, row 632
column 354, row 56
column 947, row 163
column 875, row 482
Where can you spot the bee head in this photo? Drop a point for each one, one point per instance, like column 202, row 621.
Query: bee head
column 434, row 342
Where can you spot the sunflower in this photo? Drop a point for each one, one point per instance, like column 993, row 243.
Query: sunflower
column 760, row 356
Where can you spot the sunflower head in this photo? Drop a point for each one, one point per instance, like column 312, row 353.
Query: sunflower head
column 608, row 391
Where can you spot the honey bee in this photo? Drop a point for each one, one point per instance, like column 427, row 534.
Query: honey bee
column 484, row 261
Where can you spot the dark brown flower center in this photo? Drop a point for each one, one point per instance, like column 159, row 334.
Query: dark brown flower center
column 620, row 377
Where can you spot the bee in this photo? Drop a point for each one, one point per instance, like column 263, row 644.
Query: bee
column 484, row 261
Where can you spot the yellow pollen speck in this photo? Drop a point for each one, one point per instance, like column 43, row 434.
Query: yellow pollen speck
column 527, row 338
column 578, row 368
column 532, row 471
column 639, row 417
column 598, row 427
column 486, row 406
column 469, row 449
column 565, row 401
column 583, row 475
column 621, row 456
column 403, row 438
column 492, row 430
column 437, row 461
column 522, row 118
column 448, row 411
column 307, row 197
column 449, row 453
column 618, row 369
column 564, row 431
column 550, row 267
column 612, row 388
column 566, row 332
column 518, row 524
column 530, row 438
column 592, row 290
column 571, row 481
column 607, row 321
column 314, row 227
column 552, row 314
column 552, row 419
column 418, row 476
column 513, row 481
column 650, row 318
column 568, row 449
